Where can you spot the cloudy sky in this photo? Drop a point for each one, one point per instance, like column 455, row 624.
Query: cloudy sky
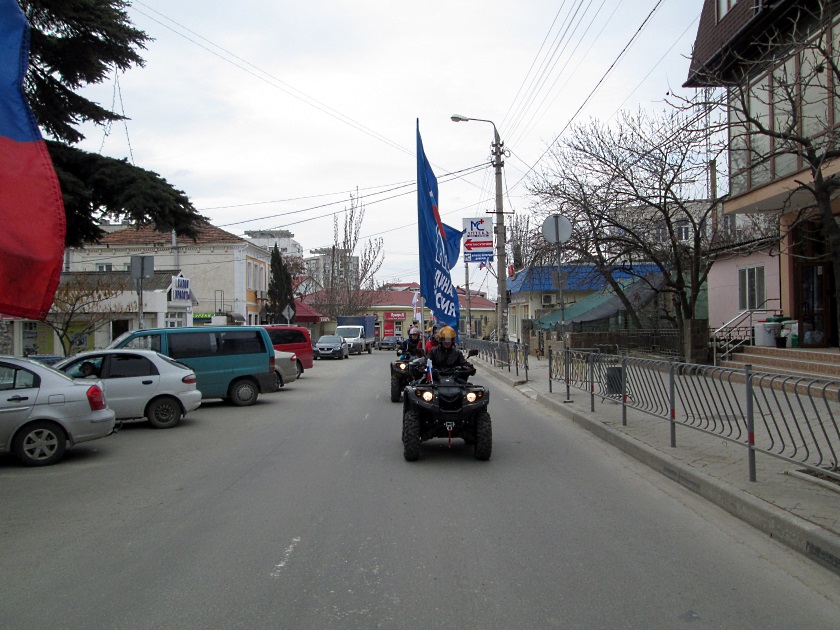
column 268, row 113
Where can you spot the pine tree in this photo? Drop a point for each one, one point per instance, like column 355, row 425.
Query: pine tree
column 74, row 44
column 280, row 288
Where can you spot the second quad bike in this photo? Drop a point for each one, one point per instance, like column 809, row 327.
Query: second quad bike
column 403, row 371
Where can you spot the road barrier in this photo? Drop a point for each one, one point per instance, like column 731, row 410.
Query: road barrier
column 789, row 417
column 509, row 354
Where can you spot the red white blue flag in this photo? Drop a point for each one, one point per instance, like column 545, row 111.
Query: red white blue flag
column 31, row 209
column 429, row 370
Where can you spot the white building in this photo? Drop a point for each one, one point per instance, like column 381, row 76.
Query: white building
column 227, row 273
column 283, row 239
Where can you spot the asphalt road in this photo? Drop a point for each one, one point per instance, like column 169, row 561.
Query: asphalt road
column 300, row 512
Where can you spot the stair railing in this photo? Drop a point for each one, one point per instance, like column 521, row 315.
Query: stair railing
column 734, row 334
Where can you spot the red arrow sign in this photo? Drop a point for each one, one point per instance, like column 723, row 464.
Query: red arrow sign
column 471, row 244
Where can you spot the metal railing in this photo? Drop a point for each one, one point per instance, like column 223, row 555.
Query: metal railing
column 789, row 417
column 512, row 355
column 734, row 334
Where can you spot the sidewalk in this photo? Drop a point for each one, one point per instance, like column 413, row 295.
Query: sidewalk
column 787, row 505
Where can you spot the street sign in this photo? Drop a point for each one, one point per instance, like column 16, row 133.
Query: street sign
column 288, row 313
column 472, row 244
column 557, row 229
column 478, row 257
column 478, row 240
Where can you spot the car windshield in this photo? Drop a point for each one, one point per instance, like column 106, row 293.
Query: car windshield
column 330, row 339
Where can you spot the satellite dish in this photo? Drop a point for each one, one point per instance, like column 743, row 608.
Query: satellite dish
column 557, row 229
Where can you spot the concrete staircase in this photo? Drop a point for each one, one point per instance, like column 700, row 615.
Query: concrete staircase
column 822, row 363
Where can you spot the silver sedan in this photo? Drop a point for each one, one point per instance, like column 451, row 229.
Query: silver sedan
column 42, row 410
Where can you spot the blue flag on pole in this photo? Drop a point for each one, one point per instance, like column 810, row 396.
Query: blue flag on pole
column 435, row 282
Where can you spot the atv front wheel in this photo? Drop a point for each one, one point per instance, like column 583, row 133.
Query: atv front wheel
column 411, row 436
column 395, row 389
column 483, row 436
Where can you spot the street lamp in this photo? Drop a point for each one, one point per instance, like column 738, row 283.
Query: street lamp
column 500, row 224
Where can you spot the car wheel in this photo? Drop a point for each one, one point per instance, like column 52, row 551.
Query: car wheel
column 411, row 436
column 243, row 393
column 163, row 413
column 483, row 436
column 40, row 444
column 299, row 368
column 278, row 380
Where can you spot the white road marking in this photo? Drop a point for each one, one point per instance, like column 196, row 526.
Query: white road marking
column 286, row 555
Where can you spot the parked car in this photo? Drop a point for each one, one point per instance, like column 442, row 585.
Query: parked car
column 139, row 384
column 389, row 343
column 293, row 339
column 36, row 429
column 235, row 363
column 286, row 367
column 332, row 346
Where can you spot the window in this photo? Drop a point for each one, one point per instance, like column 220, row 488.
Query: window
column 105, row 267
column 145, row 342
column 248, row 275
column 176, row 319
column 724, row 6
column 12, row 377
column 751, row 288
column 126, row 366
column 682, row 231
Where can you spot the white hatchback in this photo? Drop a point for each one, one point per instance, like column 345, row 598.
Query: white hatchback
column 139, row 383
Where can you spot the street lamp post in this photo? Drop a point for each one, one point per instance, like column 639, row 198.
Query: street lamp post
column 501, row 265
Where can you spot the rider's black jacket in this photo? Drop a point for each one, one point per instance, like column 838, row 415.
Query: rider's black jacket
column 443, row 358
column 411, row 348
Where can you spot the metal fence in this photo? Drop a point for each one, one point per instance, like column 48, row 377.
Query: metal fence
column 509, row 354
column 789, row 417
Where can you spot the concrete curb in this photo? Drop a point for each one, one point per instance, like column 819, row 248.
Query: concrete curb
column 814, row 542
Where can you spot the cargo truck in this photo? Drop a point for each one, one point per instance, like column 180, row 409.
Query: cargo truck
column 358, row 331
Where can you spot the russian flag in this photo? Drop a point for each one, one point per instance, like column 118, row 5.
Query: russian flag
column 429, row 370
column 31, row 209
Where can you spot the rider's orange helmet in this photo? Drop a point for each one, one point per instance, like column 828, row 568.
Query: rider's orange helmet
column 447, row 333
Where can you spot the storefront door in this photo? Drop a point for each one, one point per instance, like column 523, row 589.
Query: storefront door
column 815, row 311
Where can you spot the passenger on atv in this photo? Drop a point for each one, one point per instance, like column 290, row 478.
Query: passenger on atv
column 411, row 347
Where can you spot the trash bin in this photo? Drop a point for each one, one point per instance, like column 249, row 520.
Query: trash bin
column 764, row 336
column 613, row 378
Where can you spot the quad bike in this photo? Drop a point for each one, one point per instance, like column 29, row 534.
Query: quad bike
column 403, row 371
column 447, row 407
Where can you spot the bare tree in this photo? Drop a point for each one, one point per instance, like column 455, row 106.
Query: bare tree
column 81, row 307
column 782, row 96
column 636, row 193
column 350, row 286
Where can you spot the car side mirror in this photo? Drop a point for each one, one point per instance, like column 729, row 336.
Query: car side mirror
column 473, row 352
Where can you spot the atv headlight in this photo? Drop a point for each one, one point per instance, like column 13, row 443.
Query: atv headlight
column 471, row 397
column 402, row 366
column 428, row 396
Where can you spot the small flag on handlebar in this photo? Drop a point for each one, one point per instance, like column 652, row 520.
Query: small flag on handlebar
column 429, row 370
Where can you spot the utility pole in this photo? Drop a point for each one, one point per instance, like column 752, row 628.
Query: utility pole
column 467, row 282
column 499, row 228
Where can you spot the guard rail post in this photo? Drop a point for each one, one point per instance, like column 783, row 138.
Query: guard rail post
column 549, row 372
column 750, row 421
column 672, row 401
column 591, row 362
column 567, row 358
column 624, row 391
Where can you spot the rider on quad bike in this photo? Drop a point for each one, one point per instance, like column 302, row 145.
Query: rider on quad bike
column 402, row 370
column 447, row 405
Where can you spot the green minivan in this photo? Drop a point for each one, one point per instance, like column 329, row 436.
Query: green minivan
column 235, row 363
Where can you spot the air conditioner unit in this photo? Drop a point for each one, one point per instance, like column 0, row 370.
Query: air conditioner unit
column 548, row 298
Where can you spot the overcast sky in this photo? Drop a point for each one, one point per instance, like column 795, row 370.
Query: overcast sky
column 268, row 113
